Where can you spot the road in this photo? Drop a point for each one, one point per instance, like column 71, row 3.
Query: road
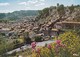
column 29, row 46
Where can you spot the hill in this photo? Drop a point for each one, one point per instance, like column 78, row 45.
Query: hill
column 60, row 13
column 18, row 14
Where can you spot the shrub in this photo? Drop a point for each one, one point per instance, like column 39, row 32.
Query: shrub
column 38, row 38
column 68, row 45
column 72, row 41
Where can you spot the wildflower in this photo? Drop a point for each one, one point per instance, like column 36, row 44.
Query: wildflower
column 49, row 46
column 33, row 44
column 58, row 41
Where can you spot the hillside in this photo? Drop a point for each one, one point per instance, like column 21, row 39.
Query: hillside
column 60, row 13
column 18, row 14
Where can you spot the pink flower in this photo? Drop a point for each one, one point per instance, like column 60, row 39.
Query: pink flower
column 49, row 46
column 33, row 44
column 38, row 50
column 58, row 42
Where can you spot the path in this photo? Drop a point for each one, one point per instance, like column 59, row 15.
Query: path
column 29, row 46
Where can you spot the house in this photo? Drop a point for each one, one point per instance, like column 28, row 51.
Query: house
column 68, row 25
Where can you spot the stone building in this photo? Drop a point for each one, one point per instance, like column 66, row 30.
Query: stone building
column 68, row 25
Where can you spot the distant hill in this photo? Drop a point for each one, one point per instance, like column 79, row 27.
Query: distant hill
column 18, row 14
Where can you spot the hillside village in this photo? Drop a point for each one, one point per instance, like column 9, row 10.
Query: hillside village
column 55, row 20
column 50, row 23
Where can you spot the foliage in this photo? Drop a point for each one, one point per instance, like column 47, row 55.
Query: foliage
column 45, row 12
column 42, row 13
column 67, row 46
column 61, row 10
column 4, row 20
column 4, row 45
column 38, row 38
column 8, row 44
column 71, row 8
column 18, row 14
column 2, row 15
column 72, row 41
column 27, row 39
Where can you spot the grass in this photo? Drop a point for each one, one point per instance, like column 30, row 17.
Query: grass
column 24, row 53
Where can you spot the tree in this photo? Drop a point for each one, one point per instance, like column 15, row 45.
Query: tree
column 43, row 13
column 61, row 10
column 57, row 4
column 27, row 38
column 2, row 15
column 71, row 8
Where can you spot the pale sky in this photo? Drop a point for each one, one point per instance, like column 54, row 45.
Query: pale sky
column 16, row 5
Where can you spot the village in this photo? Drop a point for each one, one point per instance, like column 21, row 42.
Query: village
column 53, row 31
column 49, row 29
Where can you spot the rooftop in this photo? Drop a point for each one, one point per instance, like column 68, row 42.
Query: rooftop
column 65, row 22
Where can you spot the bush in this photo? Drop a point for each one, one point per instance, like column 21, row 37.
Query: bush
column 72, row 41
column 67, row 45
column 38, row 38
column 28, row 41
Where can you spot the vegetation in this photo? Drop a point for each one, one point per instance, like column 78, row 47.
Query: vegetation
column 44, row 12
column 5, row 45
column 59, row 11
column 27, row 39
column 38, row 38
column 67, row 46
column 71, row 8
column 18, row 14
column 72, row 41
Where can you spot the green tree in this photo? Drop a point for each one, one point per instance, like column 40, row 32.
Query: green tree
column 71, row 8
column 57, row 4
column 61, row 10
column 27, row 38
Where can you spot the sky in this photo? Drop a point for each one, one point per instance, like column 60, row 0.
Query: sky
column 16, row 5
